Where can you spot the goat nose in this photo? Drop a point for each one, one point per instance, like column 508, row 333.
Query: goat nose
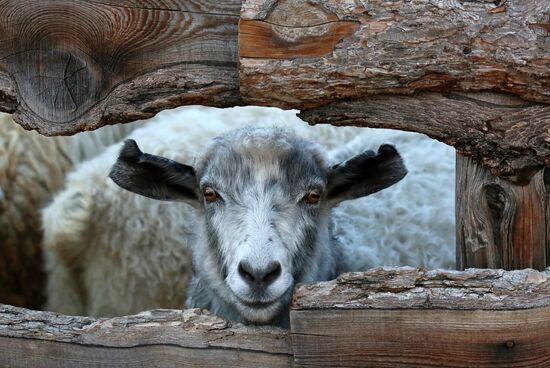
column 255, row 277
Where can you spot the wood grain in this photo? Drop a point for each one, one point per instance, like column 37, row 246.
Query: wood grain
column 499, row 224
column 433, row 338
column 292, row 31
column 160, row 338
column 397, row 47
column 508, row 135
column 82, row 64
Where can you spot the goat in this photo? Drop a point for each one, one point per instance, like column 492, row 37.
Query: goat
column 262, row 199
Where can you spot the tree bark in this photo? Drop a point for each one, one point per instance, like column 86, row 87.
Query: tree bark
column 499, row 224
column 303, row 55
column 352, row 63
column 159, row 338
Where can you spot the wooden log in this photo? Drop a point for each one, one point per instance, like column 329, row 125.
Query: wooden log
column 78, row 65
column 508, row 135
column 415, row 318
column 159, row 338
column 298, row 54
column 499, row 224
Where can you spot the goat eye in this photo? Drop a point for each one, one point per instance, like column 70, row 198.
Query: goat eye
column 313, row 196
column 210, row 194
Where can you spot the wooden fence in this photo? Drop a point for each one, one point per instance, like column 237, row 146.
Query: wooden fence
column 387, row 317
column 473, row 74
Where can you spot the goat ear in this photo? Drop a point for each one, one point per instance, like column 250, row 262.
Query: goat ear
column 365, row 174
column 153, row 176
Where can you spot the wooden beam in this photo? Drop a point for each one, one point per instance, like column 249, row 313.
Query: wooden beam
column 499, row 224
column 297, row 54
column 433, row 338
column 160, row 338
column 415, row 318
column 78, row 65
column 508, row 135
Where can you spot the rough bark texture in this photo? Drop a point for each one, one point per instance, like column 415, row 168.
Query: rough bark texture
column 160, row 338
column 349, row 58
column 415, row 318
column 416, row 288
column 499, row 224
column 508, row 135
column 391, row 47
column 78, row 65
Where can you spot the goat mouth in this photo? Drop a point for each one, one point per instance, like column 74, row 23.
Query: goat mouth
column 257, row 304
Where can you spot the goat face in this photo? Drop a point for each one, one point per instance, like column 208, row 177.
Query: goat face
column 264, row 198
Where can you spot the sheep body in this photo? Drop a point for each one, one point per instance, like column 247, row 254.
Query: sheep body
column 32, row 168
column 113, row 253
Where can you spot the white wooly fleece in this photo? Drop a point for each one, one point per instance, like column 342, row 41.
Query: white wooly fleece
column 32, row 168
column 112, row 252
column 412, row 223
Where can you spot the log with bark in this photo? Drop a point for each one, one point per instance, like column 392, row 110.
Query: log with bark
column 158, row 338
column 386, row 317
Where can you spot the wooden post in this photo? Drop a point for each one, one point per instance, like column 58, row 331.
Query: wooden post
column 499, row 224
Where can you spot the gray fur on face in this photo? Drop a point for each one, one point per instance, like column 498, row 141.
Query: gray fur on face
column 259, row 236
column 262, row 176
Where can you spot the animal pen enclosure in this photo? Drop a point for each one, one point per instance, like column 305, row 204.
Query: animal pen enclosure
column 473, row 74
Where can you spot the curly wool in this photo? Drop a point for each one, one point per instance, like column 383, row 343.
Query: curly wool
column 113, row 253
column 32, row 168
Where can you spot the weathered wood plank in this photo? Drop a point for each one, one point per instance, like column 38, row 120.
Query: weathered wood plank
column 427, row 338
column 160, row 338
column 395, row 47
column 508, row 135
column 82, row 64
column 409, row 317
column 499, row 224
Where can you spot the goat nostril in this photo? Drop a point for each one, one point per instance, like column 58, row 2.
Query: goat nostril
column 245, row 272
column 259, row 277
column 272, row 273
